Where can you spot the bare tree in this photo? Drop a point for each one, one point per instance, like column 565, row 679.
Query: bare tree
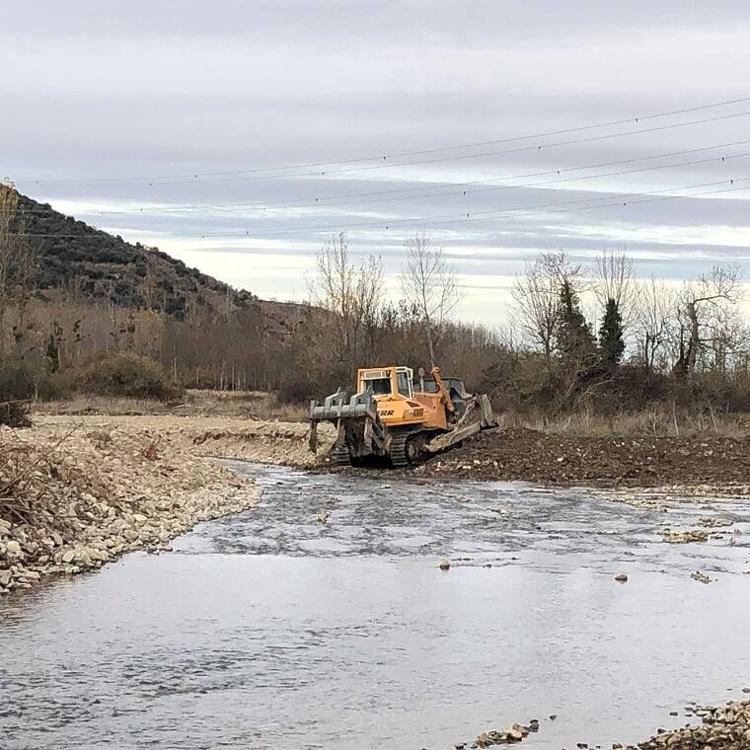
column 429, row 284
column 536, row 294
column 653, row 313
column 17, row 263
column 705, row 308
column 368, row 307
column 8, row 206
column 613, row 279
column 354, row 296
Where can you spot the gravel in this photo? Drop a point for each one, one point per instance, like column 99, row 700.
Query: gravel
column 78, row 492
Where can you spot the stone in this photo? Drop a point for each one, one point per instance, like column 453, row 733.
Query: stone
column 444, row 565
column 5, row 577
column 12, row 548
column 621, row 577
column 714, row 521
column 684, row 537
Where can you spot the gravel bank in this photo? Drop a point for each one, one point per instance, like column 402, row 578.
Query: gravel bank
column 723, row 728
column 77, row 492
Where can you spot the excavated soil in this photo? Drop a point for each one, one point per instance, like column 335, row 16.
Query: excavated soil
column 528, row 455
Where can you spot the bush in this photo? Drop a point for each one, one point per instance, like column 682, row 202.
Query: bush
column 15, row 414
column 298, row 388
column 18, row 384
column 124, row 374
column 18, row 380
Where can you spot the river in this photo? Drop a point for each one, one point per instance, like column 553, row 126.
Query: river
column 320, row 619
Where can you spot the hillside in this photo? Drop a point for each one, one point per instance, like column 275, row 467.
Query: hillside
column 73, row 291
column 94, row 264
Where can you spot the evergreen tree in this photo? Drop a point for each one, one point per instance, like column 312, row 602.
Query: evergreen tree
column 575, row 341
column 611, row 344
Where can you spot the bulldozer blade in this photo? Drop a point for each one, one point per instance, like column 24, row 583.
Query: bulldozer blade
column 313, row 437
column 488, row 416
column 337, row 407
column 441, row 442
column 358, row 428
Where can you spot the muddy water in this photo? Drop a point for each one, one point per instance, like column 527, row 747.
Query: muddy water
column 275, row 629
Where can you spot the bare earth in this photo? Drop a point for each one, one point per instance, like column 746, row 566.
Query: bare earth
column 708, row 464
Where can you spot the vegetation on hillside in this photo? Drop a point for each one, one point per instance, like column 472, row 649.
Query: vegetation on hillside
column 89, row 263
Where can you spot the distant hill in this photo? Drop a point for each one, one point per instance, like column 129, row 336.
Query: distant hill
column 76, row 257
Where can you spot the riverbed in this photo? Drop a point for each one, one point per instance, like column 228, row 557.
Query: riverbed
column 320, row 619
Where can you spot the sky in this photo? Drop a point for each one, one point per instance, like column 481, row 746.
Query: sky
column 240, row 135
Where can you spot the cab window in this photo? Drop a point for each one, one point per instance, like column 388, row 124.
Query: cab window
column 379, row 386
column 403, row 383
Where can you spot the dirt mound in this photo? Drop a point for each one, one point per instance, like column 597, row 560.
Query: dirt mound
column 524, row 454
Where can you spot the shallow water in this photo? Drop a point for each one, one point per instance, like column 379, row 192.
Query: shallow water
column 272, row 629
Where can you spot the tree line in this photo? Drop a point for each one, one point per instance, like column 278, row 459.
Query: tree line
column 594, row 336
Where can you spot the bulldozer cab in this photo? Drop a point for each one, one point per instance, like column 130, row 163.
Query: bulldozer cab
column 452, row 384
column 386, row 381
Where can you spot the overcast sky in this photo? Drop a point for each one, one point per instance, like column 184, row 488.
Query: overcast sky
column 189, row 125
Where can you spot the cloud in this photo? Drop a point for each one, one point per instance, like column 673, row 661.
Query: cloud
column 113, row 108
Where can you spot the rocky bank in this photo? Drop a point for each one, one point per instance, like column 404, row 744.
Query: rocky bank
column 722, row 728
column 77, row 492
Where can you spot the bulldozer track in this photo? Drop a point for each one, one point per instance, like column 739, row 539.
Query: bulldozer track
column 399, row 452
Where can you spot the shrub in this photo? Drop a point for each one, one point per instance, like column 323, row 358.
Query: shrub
column 18, row 384
column 18, row 380
column 124, row 374
column 297, row 388
column 15, row 414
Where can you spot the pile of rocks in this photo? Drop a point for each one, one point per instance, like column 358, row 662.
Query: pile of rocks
column 724, row 728
column 516, row 733
column 715, row 521
column 684, row 537
column 72, row 500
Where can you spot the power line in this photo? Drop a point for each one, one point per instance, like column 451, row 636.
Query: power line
column 464, row 189
column 490, row 213
column 382, row 161
column 727, row 185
